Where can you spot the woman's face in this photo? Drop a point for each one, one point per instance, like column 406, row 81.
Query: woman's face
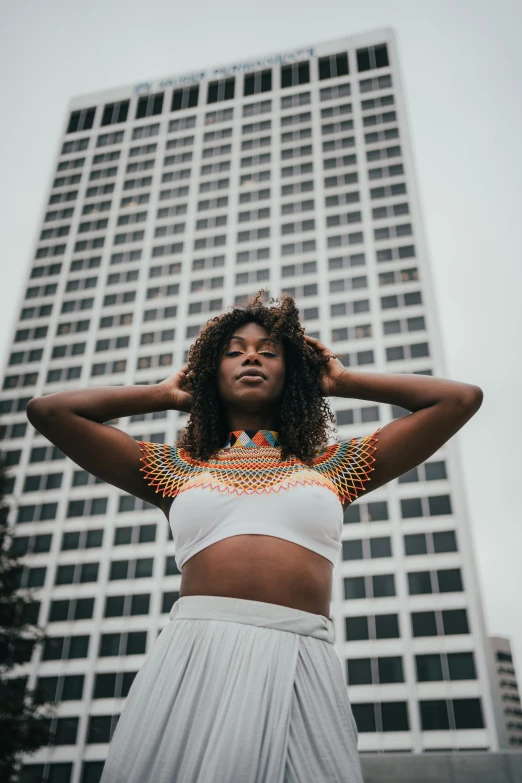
column 251, row 350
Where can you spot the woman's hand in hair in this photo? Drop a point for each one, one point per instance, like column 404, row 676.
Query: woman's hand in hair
column 179, row 389
column 332, row 370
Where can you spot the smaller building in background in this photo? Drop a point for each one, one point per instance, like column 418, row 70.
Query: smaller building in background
column 508, row 687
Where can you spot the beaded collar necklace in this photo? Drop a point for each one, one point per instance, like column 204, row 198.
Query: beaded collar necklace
column 252, row 439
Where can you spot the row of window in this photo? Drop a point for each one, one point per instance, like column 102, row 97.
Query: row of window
column 432, row 667
column 411, row 508
column 185, row 123
column 394, row 353
column 356, row 358
column 446, row 580
column 291, row 75
column 352, row 178
column 387, row 278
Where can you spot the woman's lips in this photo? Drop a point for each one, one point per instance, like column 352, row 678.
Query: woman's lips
column 251, row 378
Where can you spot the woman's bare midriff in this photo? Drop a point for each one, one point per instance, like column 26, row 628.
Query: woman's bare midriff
column 261, row 568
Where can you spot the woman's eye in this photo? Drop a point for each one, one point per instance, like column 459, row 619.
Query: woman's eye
column 231, row 353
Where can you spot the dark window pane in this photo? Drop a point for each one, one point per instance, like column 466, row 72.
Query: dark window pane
column 359, row 671
column 144, row 567
column 59, row 611
column 415, row 544
column 286, row 76
column 445, row 541
column 79, row 647
column 147, row 533
column 461, row 666
column 435, row 470
column 394, row 716
column 127, row 680
column 65, row 575
column 99, row 728
column 377, row 510
column 419, row 582
column 92, row 771
column 72, row 687
column 303, row 70
column 249, row 84
column 66, row 731
column 119, row 569
column 383, row 585
column 136, row 642
column 110, row 644
column 363, row 60
column 468, row 714
column 53, row 648
column 364, row 715
column 105, row 685
column 380, row 547
column 84, row 609
column 114, row 606
column 390, row 669
column 352, row 515
column 423, row 624
column 89, row 572
column 386, row 626
column 168, row 600
column 429, row 667
column 434, row 715
column 122, row 535
column 381, row 56
column 140, row 604
column 354, row 587
column 170, row 566
column 439, row 504
column 352, row 550
column 455, row 621
column 324, row 68
column 46, row 689
column 450, row 580
column 356, row 628
column 411, row 507
column 94, row 539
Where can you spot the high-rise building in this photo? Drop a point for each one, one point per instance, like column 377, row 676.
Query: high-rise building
column 171, row 200
column 509, row 692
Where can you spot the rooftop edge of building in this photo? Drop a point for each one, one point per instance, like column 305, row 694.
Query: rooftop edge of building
column 369, row 38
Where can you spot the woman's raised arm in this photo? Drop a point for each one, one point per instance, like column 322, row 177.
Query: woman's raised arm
column 75, row 422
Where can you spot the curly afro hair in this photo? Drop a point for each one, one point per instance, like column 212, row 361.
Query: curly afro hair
column 303, row 413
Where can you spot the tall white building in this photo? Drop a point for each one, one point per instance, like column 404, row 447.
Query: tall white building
column 173, row 199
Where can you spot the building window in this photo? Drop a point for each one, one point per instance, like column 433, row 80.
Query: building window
column 81, row 120
column 221, row 90
column 333, row 65
column 295, row 74
column 149, row 105
column 261, row 81
column 115, row 112
column 372, row 57
column 185, row 98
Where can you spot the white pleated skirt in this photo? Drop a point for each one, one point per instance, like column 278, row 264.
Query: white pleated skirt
column 237, row 691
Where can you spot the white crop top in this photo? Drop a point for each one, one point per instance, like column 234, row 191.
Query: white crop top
column 247, row 489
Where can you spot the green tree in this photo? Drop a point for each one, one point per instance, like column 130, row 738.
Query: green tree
column 24, row 718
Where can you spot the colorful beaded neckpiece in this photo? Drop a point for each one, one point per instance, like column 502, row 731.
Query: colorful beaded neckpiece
column 252, row 439
column 251, row 463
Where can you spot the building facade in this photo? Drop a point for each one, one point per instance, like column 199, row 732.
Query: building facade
column 171, row 200
column 508, row 689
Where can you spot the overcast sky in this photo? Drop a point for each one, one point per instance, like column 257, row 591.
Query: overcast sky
column 462, row 76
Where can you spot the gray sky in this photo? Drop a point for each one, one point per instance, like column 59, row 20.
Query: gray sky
column 462, row 76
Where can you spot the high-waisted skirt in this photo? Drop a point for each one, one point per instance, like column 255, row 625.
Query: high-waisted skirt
column 237, row 691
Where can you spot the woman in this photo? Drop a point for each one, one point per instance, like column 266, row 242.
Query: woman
column 244, row 685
